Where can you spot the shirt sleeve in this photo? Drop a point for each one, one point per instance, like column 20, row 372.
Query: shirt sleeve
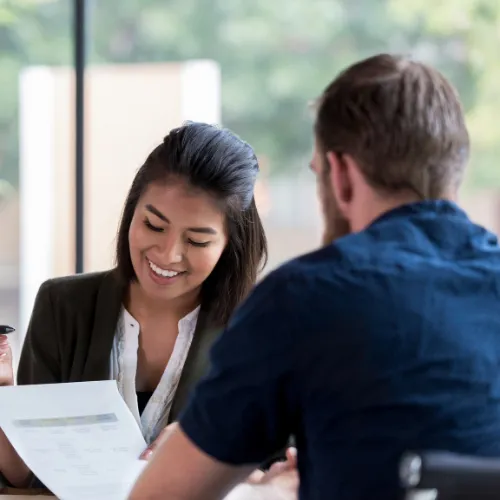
column 241, row 412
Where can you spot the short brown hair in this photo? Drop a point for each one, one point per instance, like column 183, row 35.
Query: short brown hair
column 401, row 120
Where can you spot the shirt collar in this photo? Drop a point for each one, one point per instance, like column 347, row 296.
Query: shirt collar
column 434, row 208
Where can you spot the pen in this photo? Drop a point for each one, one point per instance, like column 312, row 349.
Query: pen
column 5, row 329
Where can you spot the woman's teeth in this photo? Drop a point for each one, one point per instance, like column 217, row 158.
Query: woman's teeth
column 164, row 273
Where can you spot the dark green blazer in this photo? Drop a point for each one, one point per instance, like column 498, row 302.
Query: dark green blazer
column 71, row 331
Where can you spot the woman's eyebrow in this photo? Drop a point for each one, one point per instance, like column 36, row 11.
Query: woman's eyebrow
column 155, row 211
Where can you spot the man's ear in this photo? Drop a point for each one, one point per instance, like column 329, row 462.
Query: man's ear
column 340, row 180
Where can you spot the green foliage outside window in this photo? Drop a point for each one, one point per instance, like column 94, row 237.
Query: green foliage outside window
column 275, row 56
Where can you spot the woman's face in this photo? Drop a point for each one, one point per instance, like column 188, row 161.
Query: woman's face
column 176, row 238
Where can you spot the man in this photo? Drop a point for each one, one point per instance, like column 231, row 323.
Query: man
column 386, row 340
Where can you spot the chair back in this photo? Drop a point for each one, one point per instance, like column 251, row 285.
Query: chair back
column 440, row 475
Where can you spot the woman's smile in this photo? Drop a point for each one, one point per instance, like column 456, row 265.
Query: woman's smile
column 163, row 276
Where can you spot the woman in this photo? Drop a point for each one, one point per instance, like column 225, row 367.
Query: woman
column 189, row 248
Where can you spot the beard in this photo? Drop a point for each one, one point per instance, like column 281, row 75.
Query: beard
column 335, row 224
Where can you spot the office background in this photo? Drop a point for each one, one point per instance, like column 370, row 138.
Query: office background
column 151, row 64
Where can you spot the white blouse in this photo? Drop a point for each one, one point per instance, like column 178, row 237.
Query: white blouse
column 123, row 366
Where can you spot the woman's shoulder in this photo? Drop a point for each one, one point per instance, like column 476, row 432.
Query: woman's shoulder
column 79, row 289
column 78, row 280
column 73, row 319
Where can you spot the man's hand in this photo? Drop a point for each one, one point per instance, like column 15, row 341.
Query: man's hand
column 179, row 470
column 282, row 486
column 277, row 469
column 280, row 482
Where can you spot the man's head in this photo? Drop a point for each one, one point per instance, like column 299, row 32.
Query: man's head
column 389, row 131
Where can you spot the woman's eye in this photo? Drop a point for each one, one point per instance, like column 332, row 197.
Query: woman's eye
column 199, row 243
column 153, row 228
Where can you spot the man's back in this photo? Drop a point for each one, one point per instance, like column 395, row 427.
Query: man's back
column 384, row 341
column 400, row 349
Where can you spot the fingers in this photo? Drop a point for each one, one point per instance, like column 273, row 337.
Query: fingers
column 6, row 373
column 146, row 454
column 4, row 346
column 278, row 468
column 291, row 456
column 256, row 477
column 288, row 464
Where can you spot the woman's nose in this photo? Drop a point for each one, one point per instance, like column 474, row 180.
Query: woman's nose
column 172, row 251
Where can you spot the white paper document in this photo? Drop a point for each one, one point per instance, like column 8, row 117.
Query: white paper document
column 80, row 439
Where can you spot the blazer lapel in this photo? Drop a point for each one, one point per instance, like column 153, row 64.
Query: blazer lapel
column 108, row 306
column 197, row 362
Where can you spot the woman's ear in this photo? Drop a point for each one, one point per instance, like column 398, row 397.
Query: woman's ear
column 340, row 180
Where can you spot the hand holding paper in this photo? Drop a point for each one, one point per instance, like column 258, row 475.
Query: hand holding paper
column 79, row 439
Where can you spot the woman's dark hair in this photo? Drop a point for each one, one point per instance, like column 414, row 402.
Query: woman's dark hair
column 218, row 162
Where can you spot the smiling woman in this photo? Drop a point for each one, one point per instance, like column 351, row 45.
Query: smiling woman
column 162, row 240
column 191, row 210
column 189, row 248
